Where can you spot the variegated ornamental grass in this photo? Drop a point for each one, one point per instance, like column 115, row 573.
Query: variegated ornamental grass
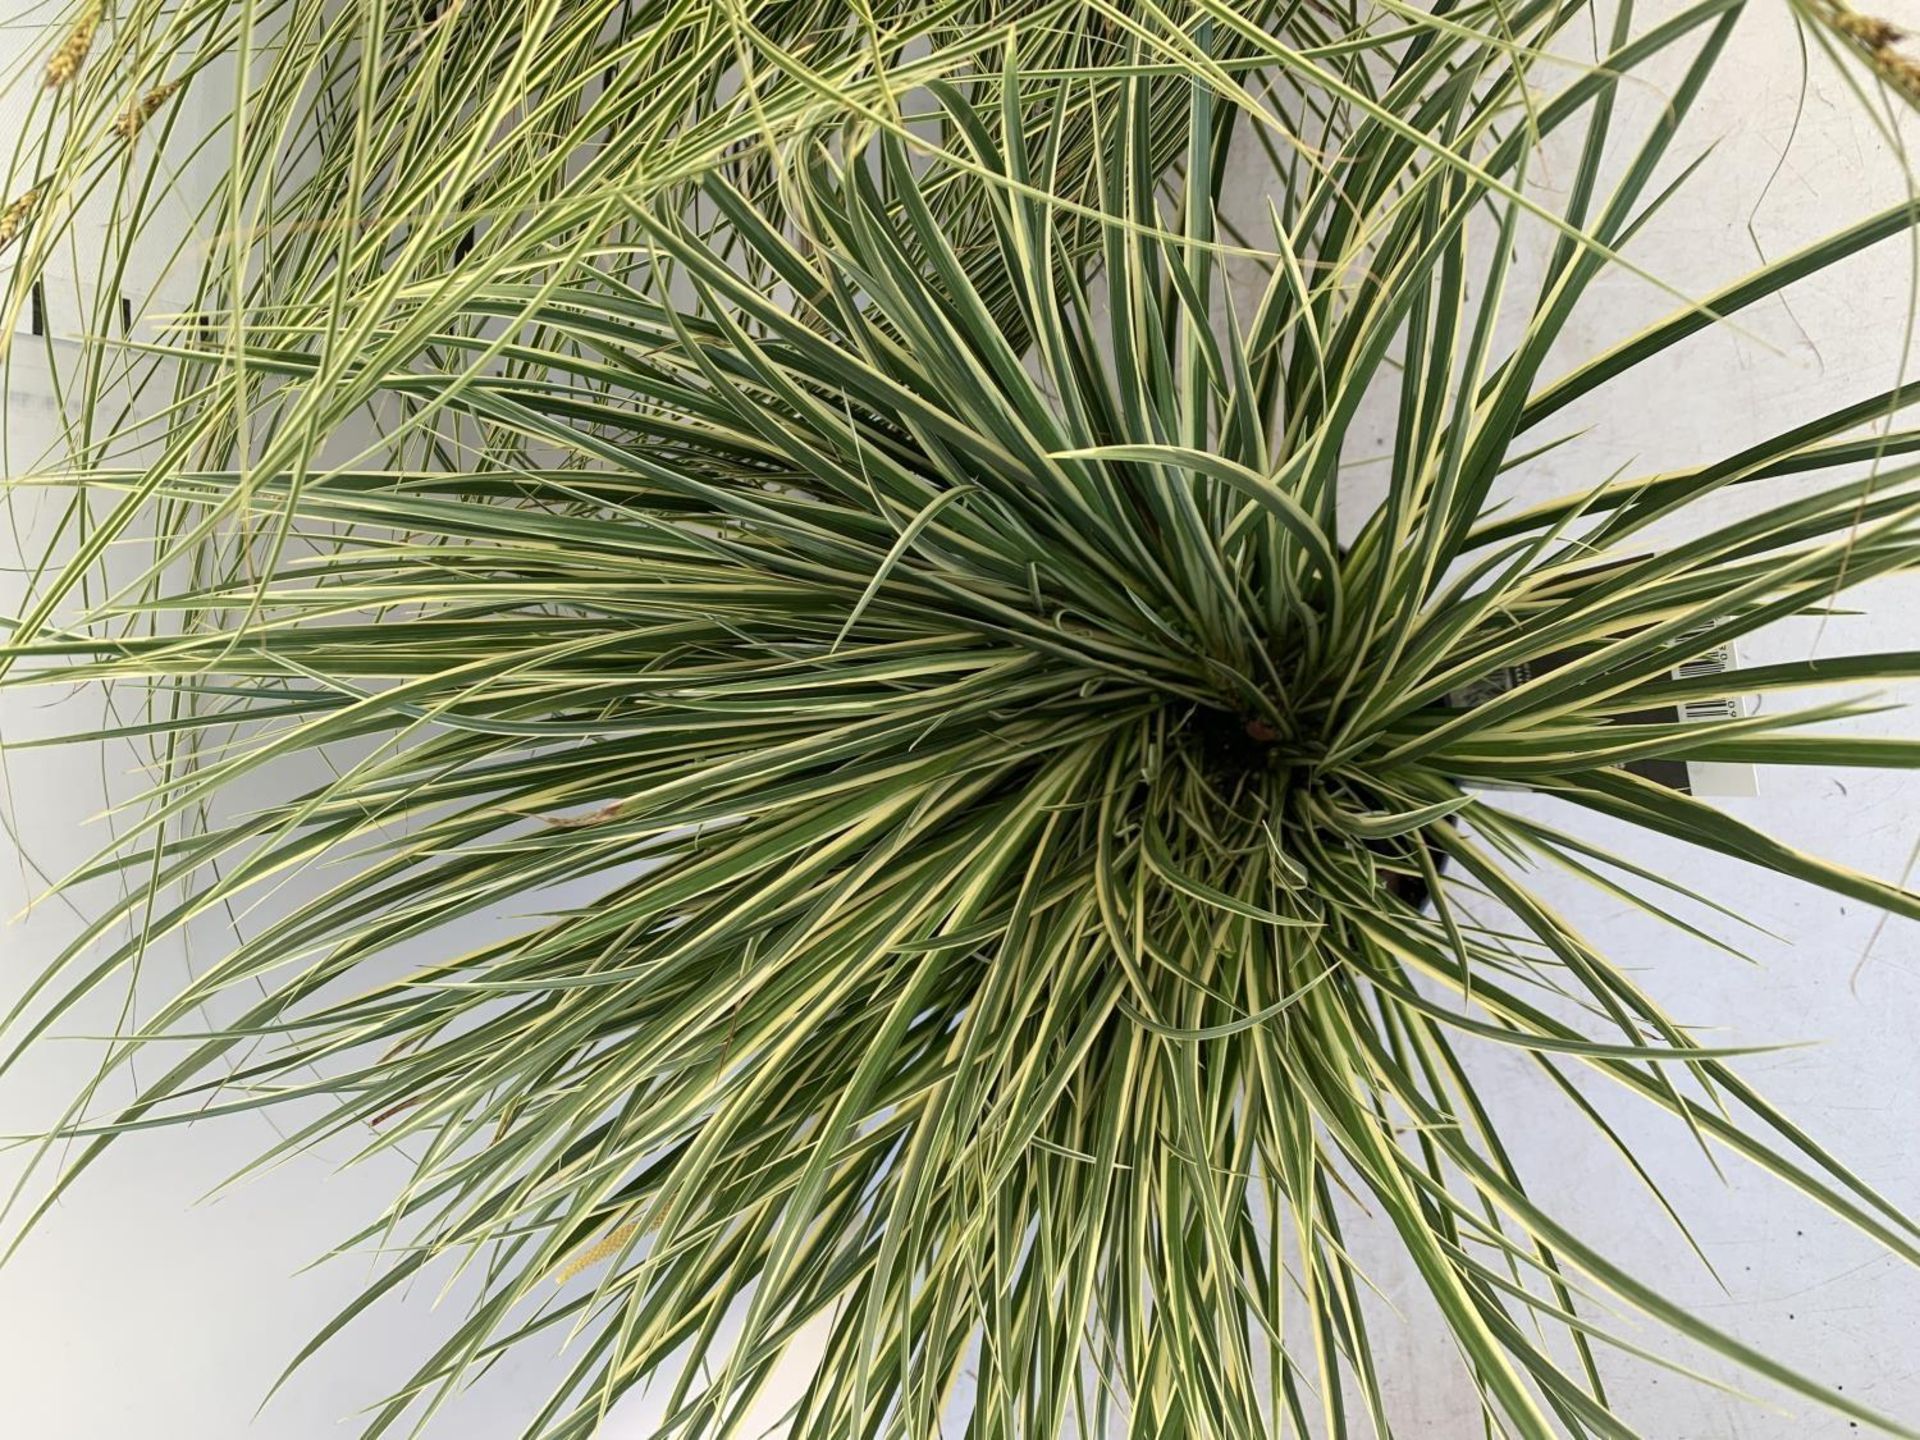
column 793, row 474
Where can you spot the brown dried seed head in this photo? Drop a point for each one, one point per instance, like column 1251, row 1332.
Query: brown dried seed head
column 72, row 54
column 12, row 217
column 1903, row 74
column 138, row 112
column 1871, row 32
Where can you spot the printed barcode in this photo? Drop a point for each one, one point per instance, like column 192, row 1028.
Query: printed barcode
column 1723, row 707
column 1715, row 662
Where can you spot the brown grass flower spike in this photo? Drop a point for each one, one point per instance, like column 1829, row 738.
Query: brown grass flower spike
column 72, row 54
column 15, row 215
column 133, row 119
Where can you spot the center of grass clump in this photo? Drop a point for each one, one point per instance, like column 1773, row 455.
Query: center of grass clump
column 1232, row 743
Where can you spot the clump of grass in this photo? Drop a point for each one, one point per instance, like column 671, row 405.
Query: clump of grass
column 884, row 611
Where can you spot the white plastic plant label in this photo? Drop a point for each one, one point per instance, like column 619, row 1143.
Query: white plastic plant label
column 1690, row 777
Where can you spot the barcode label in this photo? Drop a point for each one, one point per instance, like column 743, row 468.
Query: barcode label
column 1714, row 777
column 1692, row 777
column 1715, row 662
column 1720, row 707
